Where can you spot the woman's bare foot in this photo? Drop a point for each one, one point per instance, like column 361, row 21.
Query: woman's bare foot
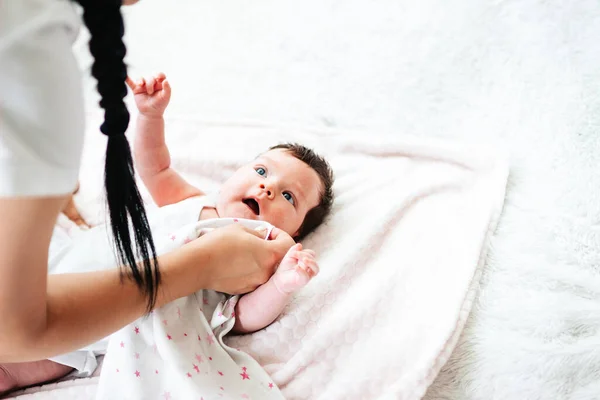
column 20, row 375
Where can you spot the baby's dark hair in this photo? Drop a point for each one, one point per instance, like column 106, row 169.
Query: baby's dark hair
column 105, row 23
column 316, row 215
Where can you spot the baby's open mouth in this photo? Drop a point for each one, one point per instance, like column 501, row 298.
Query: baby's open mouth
column 253, row 205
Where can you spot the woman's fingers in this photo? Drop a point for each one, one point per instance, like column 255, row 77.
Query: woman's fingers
column 260, row 232
column 281, row 239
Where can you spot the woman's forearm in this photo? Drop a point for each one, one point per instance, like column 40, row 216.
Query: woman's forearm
column 86, row 307
column 41, row 315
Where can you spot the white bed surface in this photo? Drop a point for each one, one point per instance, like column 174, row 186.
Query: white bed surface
column 521, row 73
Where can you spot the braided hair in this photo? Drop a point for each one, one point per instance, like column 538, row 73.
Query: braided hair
column 105, row 23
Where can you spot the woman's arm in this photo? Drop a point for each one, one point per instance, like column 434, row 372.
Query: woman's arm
column 42, row 316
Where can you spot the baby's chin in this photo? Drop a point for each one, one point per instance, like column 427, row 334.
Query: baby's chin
column 229, row 209
column 232, row 209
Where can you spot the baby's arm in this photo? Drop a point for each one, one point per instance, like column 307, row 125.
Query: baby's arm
column 151, row 154
column 260, row 308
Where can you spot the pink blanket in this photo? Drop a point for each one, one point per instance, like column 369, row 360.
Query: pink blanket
column 400, row 257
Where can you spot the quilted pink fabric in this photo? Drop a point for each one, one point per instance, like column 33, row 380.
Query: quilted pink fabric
column 400, row 257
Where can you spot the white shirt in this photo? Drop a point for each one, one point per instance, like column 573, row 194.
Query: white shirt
column 41, row 99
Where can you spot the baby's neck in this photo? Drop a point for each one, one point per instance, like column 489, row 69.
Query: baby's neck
column 208, row 213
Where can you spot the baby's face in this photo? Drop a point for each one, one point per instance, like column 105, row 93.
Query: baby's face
column 276, row 188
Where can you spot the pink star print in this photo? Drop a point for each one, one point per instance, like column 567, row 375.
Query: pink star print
column 167, row 395
column 199, row 338
column 196, row 368
column 165, row 322
column 209, row 339
column 137, row 356
column 136, row 330
column 235, row 220
column 220, row 314
column 122, row 344
column 185, row 334
column 173, row 237
column 210, row 358
column 169, row 337
column 220, row 373
column 232, row 314
column 205, row 301
column 189, row 375
column 156, row 371
column 221, row 387
column 244, row 369
column 137, row 374
column 245, row 376
column 117, row 370
column 187, row 240
column 199, row 359
column 270, row 386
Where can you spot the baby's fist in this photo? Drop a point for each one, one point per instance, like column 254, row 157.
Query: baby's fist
column 151, row 94
column 297, row 268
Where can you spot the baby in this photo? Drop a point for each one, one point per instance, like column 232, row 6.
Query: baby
column 288, row 186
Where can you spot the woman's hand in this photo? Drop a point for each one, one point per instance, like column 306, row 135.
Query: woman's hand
column 238, row 259
column 73, row 214
column 71, row 211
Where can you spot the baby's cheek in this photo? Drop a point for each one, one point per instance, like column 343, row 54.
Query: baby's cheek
column 284, row 219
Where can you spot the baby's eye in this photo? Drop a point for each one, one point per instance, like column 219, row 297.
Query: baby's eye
column 261, row 171
column 288, row 196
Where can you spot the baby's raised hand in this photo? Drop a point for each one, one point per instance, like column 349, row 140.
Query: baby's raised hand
column 151, row 94
column 297, row 268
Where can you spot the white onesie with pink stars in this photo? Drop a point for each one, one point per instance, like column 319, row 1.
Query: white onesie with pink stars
column 177, row 352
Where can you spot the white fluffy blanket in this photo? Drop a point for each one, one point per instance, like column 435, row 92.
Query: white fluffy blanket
column 524, row 74
column 400, row 257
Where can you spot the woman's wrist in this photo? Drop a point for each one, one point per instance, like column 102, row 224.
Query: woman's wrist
column 178, row 279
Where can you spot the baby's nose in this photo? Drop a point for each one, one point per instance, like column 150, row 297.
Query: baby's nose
column 266, row 189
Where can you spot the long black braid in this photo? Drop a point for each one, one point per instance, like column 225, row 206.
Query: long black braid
column 105, row 24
